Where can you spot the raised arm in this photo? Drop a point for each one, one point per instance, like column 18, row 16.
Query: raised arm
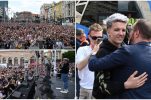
column 109, row 87
column 82, row 59
column 117, row 58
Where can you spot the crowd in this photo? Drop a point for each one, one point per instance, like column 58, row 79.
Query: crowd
column 27, row 35
column 11, row 78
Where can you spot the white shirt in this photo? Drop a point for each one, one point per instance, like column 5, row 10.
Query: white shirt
column 85, row 75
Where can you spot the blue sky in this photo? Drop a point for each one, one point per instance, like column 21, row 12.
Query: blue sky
column 27, row 5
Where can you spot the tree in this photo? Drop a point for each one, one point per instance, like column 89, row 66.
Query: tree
column 70, row 55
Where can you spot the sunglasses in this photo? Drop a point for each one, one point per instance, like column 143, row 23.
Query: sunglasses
column 96, row 37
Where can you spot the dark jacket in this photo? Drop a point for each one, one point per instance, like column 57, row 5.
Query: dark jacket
column 65, row 68
column 129, row 58
column 104, row 76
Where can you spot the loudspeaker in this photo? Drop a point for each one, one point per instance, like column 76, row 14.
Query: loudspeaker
column 16, row 94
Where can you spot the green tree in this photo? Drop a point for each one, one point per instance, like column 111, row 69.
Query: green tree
column 70, row 55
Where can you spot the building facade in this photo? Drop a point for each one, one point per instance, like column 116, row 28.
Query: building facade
column 16, row 58
column 61, row 12
column 69, row 11
column 58, row 11
column 35, row 17
column 24, row 16
column 3, row 10
column 53, row 12
column 45, row 11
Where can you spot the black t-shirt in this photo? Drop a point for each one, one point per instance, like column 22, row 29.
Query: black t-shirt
column 65, row 68
column 103, row 86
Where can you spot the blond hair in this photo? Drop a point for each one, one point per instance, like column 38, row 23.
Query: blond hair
column 95, row 27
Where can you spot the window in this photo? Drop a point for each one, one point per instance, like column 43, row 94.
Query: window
column 9, row 61
column 22, row 61
column 15, row 61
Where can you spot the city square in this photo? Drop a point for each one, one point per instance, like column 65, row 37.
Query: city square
column 51, row 27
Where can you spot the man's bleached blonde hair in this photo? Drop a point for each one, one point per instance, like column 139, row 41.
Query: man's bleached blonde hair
column 116, row 17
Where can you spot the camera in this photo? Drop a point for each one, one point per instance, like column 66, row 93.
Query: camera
column 99, row 40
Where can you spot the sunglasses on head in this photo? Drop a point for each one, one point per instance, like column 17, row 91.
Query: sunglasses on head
column 95, row 37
